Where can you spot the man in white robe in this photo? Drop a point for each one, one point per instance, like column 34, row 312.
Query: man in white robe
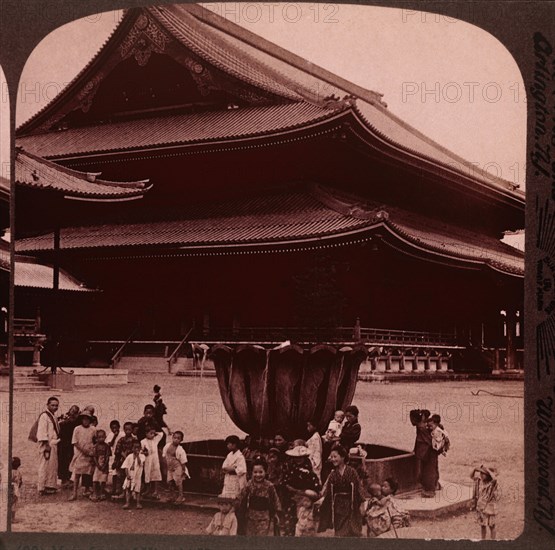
column 48, row 437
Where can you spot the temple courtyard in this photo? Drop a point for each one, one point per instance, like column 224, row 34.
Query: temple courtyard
column 484, row 420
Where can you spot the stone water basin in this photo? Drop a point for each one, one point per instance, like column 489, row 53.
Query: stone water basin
column 206, row 458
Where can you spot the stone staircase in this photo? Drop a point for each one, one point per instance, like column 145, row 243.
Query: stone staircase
column 28, row 382
column 148, row 364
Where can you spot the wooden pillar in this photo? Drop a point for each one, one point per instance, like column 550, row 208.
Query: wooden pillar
column 56, row 280
column 511, row 362
column 357, row 330
column 37, row 321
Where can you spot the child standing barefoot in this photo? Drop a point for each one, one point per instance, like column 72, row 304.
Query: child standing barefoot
column 124, row 447
column 82, row 463
column 101, row 454
column 486, row 495
column 133, row 467
column 153, row 473
column 176, row 460
column 17, row 482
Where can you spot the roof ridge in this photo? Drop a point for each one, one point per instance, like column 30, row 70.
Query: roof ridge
column 289, row 85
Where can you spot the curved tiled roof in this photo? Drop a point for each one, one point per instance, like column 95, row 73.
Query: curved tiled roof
column 32, row 274
column 272, row 219
column 292, row 219
column 36, row 172
column 176, row 129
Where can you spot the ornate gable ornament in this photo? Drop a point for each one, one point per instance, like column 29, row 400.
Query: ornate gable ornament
column 144, row 38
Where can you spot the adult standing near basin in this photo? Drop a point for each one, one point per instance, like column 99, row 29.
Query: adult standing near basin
column 426, row 457
column 67, row 423
column 342, row 496
column 298, row 477
column 314, row 444
column 350, row 433
column 48, row 437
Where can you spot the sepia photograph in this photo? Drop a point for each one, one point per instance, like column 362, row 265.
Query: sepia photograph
column 269, row 276
column 4, row 296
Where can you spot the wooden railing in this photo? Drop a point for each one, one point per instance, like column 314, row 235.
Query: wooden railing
column 116, row 358
column 173, row 357
column 331, row 334
column 24, row 326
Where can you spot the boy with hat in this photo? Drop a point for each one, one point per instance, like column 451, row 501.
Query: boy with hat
column 224, row 522
column 486, row 495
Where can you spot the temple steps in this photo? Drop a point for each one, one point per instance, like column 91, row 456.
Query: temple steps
column 28, row 383
column 136, row 364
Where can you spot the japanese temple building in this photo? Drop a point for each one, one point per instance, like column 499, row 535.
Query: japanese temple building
column 198, row 180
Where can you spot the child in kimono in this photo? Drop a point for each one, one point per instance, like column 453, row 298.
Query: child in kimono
column 153, row 474
column 375, row 512
column 82, row 463
column 399, row 517
column 101, row 456
column 224, row 522
column 234, row 469
column 335, row 426
column 440, row 438
column 133, row 467
column 486, row 496
column 176, row 461
column 259, row 504
column 306, row 521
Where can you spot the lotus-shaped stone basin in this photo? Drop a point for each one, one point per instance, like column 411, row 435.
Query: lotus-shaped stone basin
column 279, row 390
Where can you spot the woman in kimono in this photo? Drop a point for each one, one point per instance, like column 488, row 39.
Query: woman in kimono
column 234, row 469
column 259, row 504
column 68, row 422
column 342, row 496
column 298, row 477
column 426, row 457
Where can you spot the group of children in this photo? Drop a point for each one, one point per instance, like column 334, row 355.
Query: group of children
column 132, row 458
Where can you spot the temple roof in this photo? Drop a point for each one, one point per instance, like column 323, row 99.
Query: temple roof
column 252, row 60
column 312, row 218
column 176, row 129
column 32, row 274
column 36, row 172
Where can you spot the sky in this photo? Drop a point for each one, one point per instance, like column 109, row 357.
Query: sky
column 447, row 78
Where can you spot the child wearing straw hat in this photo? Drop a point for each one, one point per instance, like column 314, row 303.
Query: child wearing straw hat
column 486, row 495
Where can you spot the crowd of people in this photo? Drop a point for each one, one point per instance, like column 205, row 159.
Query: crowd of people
column 302, row 487
column 270, row 487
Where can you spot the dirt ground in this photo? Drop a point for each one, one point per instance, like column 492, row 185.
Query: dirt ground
column 484, row 428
